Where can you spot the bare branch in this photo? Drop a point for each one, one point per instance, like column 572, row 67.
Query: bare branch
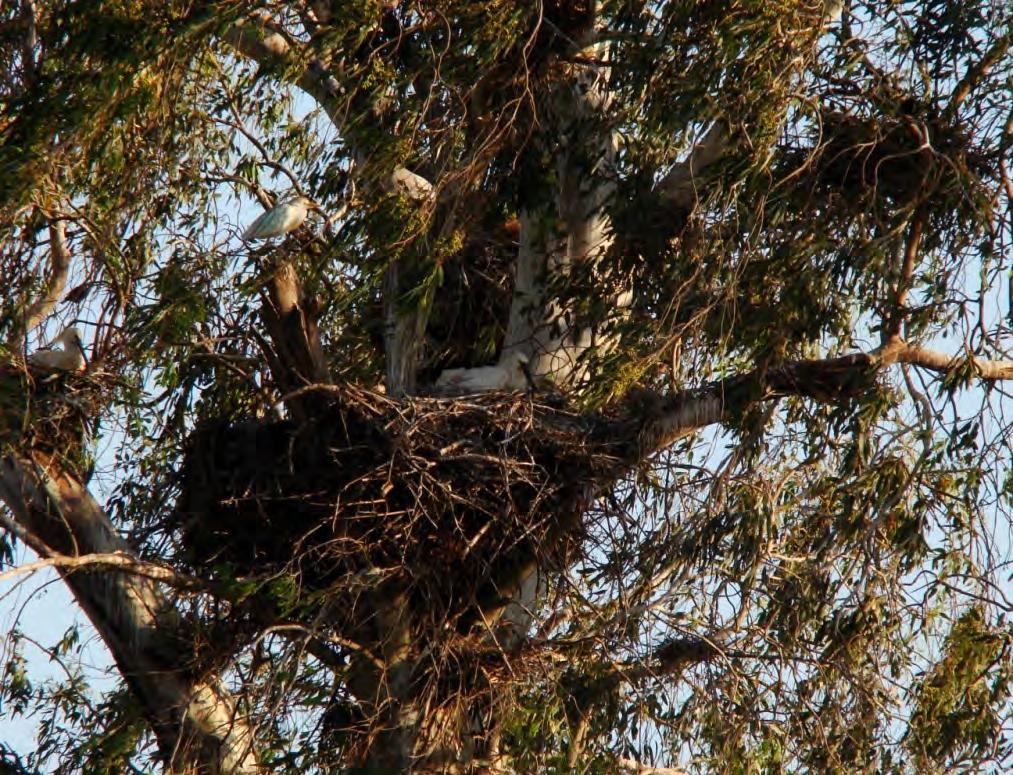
column 59, row 265
column 270, row 48
column 933, row 360
column 290, row 316
column 980, row 70
column 119, row 560
column 895, row 317
column 669, row 418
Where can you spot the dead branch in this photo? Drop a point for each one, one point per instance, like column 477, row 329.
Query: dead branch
column 119, row 560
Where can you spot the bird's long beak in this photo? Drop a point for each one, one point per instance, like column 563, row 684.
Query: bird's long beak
column 84, row 355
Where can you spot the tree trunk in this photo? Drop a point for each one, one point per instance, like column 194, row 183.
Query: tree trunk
column 194, row 720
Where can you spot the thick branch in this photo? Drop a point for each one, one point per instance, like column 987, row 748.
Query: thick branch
column 196, row 724
column 271, row 49
column 59, row 265
column 540, row 327
column 681, row 187
column 943, row 363
column 980, row 70
column 661, row 420
column 404, row 324
column 289, row 314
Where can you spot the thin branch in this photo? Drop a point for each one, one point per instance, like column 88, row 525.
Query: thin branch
column 118, row 560
column 646, row 769
column 895, row 317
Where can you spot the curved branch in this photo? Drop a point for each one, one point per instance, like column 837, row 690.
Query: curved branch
column 404, row 325
column 680, row 187
column 59, row 266
column 271, row 49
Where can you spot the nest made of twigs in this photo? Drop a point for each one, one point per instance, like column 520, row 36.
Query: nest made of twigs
column 897, row 158
column 441, row 497
column 49, row 412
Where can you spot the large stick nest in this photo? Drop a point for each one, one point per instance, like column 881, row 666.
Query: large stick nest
column 449, row 498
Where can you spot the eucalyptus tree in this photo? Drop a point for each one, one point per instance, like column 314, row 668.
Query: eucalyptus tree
column 636, row 401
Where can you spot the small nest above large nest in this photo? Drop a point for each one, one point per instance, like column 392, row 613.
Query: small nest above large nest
column 49, row 412
column 448, row 498
column 900, row 159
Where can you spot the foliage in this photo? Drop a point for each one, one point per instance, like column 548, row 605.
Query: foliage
column 816, row 585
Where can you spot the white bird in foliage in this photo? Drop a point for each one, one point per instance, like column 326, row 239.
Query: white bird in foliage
column 511, row 373
column 69, row 358
column 832, row 10
column 413, row 186
column 281, row 219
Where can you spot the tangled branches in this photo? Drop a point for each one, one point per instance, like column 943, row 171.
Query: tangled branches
column 447, row 500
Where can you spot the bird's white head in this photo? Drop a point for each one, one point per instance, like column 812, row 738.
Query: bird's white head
column 303, row 201
column 70, row 337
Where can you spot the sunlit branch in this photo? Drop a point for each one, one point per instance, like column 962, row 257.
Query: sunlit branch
column 826, row 380
column 59, row 265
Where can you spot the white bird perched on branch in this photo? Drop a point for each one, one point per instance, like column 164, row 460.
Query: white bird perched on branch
column 511, row 373
column 69, row 358
column 832, row 11
column 413, row 186
column 281, row 219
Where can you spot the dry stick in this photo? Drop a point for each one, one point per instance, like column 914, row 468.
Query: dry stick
column 895, row 317
column 119, row 560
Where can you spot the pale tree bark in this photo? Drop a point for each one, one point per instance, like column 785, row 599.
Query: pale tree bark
column 196, row 722
column 59, row 267
column 669, row 418
column 545, row 330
